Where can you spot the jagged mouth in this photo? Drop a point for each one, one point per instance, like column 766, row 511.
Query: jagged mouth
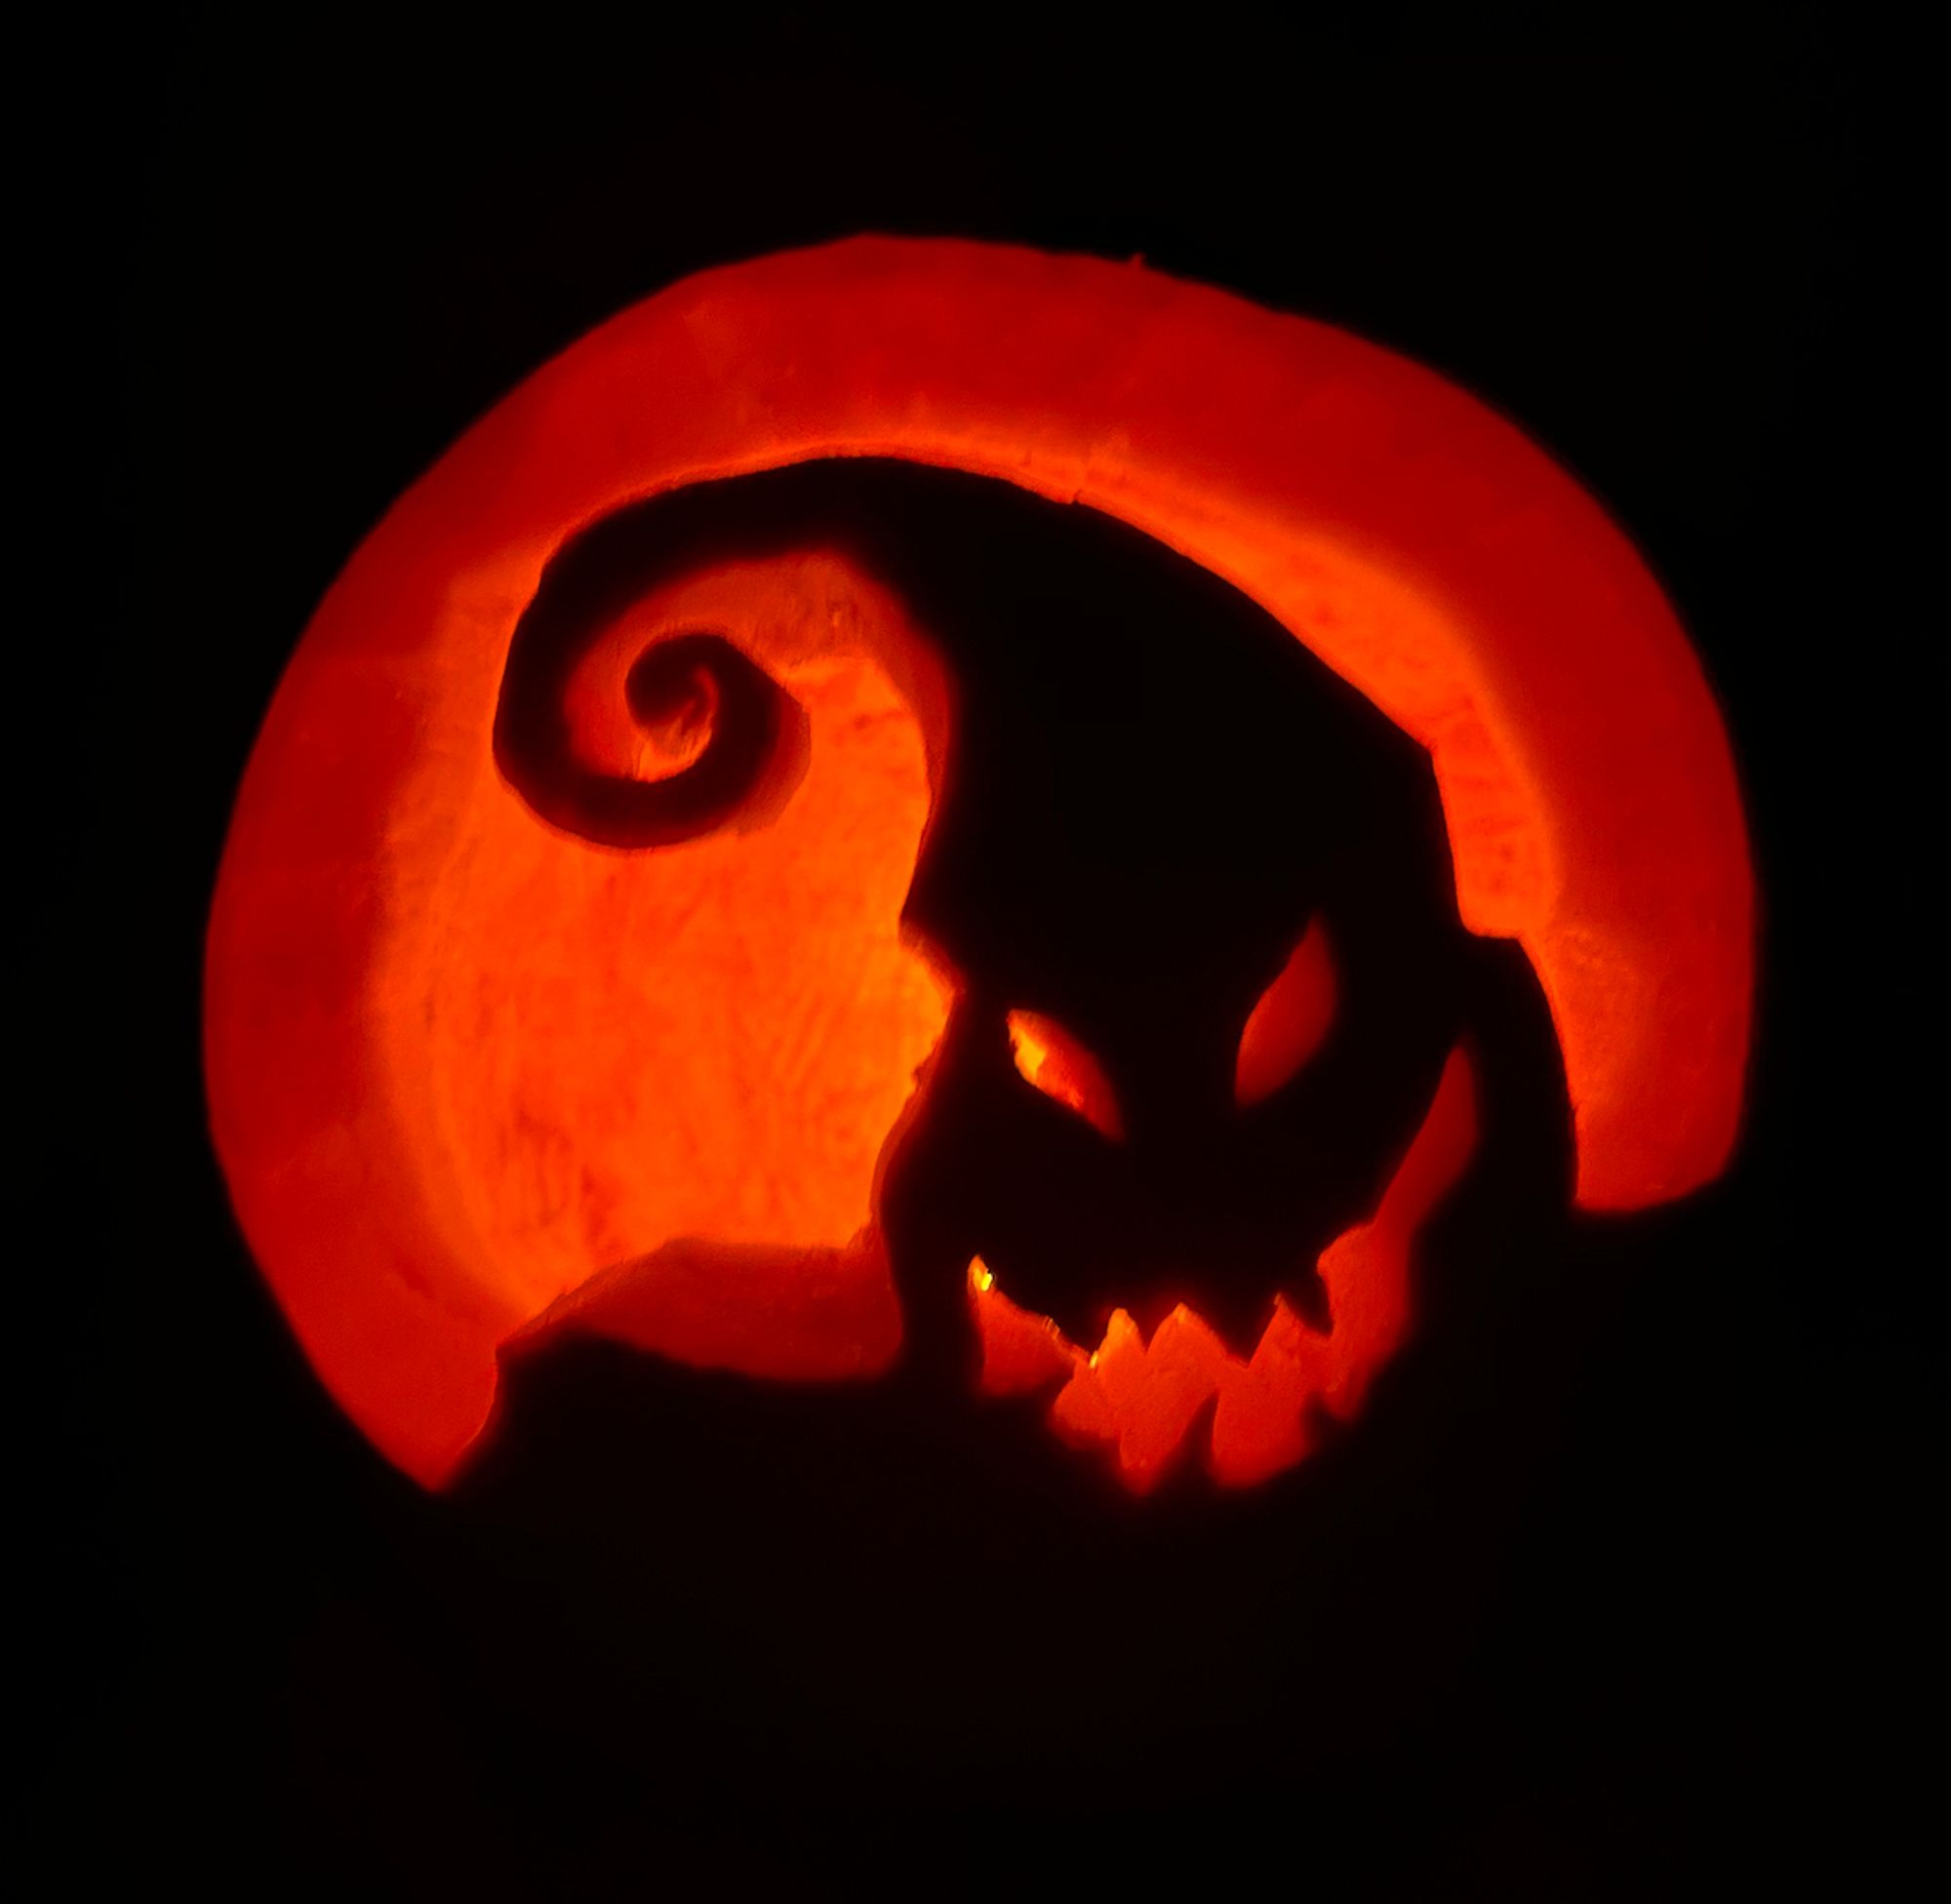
column 1140, row 1399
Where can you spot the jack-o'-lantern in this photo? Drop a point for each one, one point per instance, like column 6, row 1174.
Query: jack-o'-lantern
column 578, row 959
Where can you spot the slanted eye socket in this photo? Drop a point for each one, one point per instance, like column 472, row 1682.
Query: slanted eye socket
column 1290, row 1021
column 1048, row 1058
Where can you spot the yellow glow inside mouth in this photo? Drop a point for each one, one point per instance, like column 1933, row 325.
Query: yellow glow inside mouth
column 1140, row 1398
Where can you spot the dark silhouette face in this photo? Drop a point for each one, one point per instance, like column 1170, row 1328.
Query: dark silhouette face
column 1158, row 798
column 1192, row 895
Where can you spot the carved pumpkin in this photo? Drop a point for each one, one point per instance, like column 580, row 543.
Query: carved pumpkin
column 563, row 971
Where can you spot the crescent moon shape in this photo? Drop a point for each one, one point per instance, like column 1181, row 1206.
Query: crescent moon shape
column 1412, row 539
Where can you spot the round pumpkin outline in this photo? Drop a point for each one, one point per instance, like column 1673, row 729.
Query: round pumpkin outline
column 1416, row 542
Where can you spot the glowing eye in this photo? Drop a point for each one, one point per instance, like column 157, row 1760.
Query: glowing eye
column 1288, row 1024
column 1058, row 1066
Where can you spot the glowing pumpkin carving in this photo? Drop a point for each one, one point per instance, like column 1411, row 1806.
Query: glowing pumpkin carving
column 562, row 969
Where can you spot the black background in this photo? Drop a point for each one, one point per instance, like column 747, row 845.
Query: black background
column 318, row 249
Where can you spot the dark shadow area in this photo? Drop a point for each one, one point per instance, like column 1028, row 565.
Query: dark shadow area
column 891, row 1593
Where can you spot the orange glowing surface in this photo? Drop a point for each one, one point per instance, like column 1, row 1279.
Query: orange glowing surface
column 1050, row 1059
column 1290, row 1019
column 465, row 1061
column 459, row 1063
column 1139, row 1399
